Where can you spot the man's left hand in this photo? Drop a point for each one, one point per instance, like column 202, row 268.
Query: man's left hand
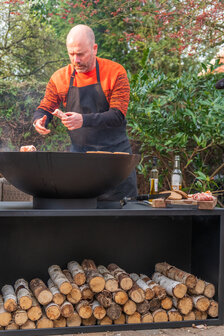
column 72, row 120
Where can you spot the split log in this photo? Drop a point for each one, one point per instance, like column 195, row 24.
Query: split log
column 52, row 311
column 23, row 293
column 105, row 298
column 120, row 297
column 44, row 322
column 74, row 320
column 167, row 303
column 77, row 272
column 95, row 280
column 149, row 293
column 5, row 317
column 34, row 312
column 111, row 283
column 99, row 311
column 184, row 305
column 75, row 295
column 120, row 320
column 173, row 288
column 134, row 318
column 9, row 297
column 198, row 289
column 147, row 318
column 174, row 315
column 59, row 279
column 40, row 291
column 105, row 321
column 84, row 309
column 201, row 302
column 87, row 293
column 209, row 290
column 154, row 304
column 159, row 291
column 12, row 326
column 60, row 322
column 213, row 309
column 58, row 298
column 175, row 273
column 28, row 325
column 189, row 317
column 20, row 317
column 129, row 307
column 90, row 321
column 160, row 315
column 67, row 309
column 143, row 307
column 136, row 293
column 114, row 311
column 200, row 315
column 125, row 281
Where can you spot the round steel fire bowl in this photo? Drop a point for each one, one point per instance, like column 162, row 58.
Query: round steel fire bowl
column 65, row 174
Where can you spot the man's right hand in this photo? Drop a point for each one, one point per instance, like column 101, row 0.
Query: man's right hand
column 39, row 125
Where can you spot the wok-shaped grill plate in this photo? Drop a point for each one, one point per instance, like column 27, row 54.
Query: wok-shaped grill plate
column 65, row 174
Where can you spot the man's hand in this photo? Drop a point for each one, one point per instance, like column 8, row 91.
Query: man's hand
column 39, row 125
column 72, row 120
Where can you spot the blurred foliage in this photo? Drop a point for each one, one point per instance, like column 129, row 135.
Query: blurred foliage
column 18, row 101
column 183, row 115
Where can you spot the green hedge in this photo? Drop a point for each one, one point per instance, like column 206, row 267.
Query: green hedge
column 183, row 116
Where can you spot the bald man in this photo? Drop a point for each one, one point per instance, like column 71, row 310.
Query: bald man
column 95, row 95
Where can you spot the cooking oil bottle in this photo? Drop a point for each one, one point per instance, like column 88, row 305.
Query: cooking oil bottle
column 154, row 175
column 176, row 177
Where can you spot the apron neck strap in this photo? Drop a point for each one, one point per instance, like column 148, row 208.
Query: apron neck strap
column 97, row 75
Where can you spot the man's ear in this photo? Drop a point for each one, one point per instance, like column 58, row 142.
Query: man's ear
column 95, row 48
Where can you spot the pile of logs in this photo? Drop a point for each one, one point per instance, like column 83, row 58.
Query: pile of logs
column 87, row 295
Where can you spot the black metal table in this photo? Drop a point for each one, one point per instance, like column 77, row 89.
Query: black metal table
column 135, row 237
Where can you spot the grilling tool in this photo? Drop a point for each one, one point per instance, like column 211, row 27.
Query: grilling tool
column 144, row 197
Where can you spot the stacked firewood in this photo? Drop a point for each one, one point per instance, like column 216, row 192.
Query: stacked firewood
column 87, row 295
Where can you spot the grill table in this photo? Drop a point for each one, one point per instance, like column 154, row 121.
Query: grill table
column 135, row 237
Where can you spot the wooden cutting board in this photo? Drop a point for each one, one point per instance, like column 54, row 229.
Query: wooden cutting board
column 205, row 205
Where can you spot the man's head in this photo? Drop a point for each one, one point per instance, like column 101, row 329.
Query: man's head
column 82, row 48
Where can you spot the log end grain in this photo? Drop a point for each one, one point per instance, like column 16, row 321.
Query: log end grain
column 97, row 284
column 34, row 313
column 44, row 322
column 28, row 325
column 147, row 318
column 120, row 320
column 45, row 297
column 213, row 309
column 25, row 302
column 5, row 318
column 180, row 291
column 74, row 320
column 160, row 315
column 10, row 305
column 134, row 318
column 189, row 317
column 65, row 288
column 60, row 322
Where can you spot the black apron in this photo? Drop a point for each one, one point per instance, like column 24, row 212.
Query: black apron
column 91, row 99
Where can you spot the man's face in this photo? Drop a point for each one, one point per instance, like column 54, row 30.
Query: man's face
column 82, row 55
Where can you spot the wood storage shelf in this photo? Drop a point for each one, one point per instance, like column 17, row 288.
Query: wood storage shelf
column 191, row 240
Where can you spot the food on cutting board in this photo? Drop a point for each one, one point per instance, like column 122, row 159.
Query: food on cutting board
column 203, row 196
column 173, row 195
column 30, row 148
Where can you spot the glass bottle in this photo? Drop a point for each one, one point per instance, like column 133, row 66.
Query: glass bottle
column 154, row 174
column 176, row 177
